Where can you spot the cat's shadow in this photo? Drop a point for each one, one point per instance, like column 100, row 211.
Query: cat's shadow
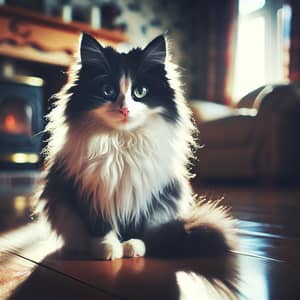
column 137, row 278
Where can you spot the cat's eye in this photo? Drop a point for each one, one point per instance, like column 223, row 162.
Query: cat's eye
column 140, row 91
column 108, row 91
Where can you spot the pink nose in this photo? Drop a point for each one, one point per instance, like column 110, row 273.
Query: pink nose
column 124, row 111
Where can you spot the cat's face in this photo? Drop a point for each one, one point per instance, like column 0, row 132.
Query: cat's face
column 122, row 91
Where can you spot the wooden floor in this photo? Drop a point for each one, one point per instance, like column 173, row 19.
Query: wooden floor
column 267, row 265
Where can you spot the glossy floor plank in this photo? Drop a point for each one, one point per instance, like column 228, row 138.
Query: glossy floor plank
column 268, row 218
column 21, row 278
column 266, row 266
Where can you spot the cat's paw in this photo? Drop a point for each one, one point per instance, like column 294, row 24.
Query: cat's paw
column 133, row 248
column 107, row 248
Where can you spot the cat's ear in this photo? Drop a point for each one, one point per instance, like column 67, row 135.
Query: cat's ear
column 91, row 51
column 156, row 50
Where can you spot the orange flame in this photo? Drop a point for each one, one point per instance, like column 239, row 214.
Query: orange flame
column 10, row 123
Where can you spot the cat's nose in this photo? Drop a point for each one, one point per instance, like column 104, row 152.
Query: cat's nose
column 124, row 111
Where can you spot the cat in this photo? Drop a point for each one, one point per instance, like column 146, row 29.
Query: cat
column 116, row 180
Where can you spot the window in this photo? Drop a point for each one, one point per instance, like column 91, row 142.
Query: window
column 262, row 45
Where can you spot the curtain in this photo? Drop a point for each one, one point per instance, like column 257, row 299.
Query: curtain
column 294, row 68
column 221, row 50
column 208, row 45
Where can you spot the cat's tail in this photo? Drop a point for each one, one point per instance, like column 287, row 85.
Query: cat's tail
column 206, row 228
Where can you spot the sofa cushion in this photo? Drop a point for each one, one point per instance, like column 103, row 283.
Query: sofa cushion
column 208, row 111
column 227, row 132
column 220, row 125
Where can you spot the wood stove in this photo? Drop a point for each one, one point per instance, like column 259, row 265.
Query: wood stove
column 21, row 122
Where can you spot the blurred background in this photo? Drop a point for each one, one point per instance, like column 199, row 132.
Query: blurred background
column 239, row 59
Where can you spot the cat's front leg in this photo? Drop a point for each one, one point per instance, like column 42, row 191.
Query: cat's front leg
column 106, row 248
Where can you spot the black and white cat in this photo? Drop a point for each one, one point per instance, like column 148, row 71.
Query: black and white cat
column 117, row 181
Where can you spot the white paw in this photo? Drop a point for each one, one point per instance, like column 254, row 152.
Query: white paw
column 133, row 248
column 108, row 248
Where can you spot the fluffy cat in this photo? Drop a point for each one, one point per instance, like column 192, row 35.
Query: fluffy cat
column 116, row 180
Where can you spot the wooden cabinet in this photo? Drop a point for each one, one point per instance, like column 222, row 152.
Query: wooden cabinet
column 39, row 38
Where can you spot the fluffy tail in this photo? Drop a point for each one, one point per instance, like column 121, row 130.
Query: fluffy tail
column 205, row 229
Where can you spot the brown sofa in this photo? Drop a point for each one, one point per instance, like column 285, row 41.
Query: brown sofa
column 259, row 138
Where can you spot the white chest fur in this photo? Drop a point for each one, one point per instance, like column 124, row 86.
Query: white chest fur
column 122, row 171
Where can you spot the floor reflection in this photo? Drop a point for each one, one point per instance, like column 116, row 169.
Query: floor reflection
column 254, row 281
column 15, row 210
column 193, row 286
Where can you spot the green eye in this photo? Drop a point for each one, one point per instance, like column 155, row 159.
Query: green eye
column 140, row 92
column 108, row 91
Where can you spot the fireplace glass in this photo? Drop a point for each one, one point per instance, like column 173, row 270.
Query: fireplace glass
column 20, row 122
column 15, row 117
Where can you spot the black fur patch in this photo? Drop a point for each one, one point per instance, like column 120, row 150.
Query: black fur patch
column 203, row 242
column 165, row 240
column 170, row 240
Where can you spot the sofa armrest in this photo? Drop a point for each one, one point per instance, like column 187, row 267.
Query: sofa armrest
column 277, row 99
column 248, row 100
column 278, row 109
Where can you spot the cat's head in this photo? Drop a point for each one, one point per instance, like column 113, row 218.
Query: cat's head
column 122, row 91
